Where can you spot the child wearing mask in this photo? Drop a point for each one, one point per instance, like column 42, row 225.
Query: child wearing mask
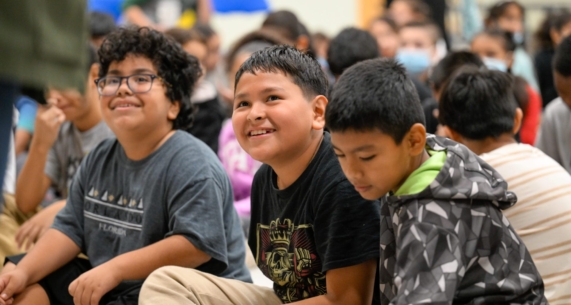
column 509, row 16
column 497, row 50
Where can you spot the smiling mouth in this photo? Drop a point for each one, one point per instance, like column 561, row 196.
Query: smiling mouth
column 125, row 106
column 260, row 132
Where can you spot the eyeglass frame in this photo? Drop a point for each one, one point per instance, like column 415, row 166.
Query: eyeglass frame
column 126, row 78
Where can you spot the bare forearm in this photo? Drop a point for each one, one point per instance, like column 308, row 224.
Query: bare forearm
column 21, row 140
column 51, row 252
column 175, row 250
column 32, row 183
column 350, row 285
column 203, row 13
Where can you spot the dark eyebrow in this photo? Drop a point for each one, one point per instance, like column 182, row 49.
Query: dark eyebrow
column 265, row 91
column 137, row 71
column 359, row 149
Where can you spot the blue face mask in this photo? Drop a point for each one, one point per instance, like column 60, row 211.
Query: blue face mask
column 415, row 61
column 495, row 64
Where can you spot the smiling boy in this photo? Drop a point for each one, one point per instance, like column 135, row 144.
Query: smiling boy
column 155, row 196
column 310, row 232
column 444, row 239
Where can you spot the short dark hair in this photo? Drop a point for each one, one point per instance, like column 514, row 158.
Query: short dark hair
column 478, row 103
column 205, row 30
column 285, row 22
column 388, row 20
column 304, row 70
column 176, row 67
column 374, row 94
column 253, row 42
column 496, row 11
column 349, row 47
column 100, row 24
column 442, row 72
column 506, row 38
column 562, row 58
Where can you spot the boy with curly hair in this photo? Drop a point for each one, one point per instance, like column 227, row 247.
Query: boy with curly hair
column 155, row 196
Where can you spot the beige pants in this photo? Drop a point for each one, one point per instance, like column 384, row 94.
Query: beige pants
column 10, row 221
column 177, row 285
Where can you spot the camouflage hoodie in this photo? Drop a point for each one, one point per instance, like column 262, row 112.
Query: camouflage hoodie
column 451, row 244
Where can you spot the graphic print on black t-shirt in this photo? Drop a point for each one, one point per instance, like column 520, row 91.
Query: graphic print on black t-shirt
column 289, row 258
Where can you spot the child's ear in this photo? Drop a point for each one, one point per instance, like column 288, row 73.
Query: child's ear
column 518, row 118
column 318, row 104
column 93, row 73
column 174, row 110
column 416, row 139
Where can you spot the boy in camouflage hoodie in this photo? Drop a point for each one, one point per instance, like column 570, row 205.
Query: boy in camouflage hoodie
column 444, row 239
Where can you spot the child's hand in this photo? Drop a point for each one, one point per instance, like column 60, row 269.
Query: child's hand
column 90, row 287
column 36, row 226
column 12, row 283
column 48, row 122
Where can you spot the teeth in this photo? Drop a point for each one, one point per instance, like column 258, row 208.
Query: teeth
column 258, row 132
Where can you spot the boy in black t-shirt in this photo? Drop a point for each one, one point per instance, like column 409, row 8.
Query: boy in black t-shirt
column 444, row 239
column 311, row 233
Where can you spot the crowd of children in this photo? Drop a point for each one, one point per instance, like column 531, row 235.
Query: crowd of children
column 381, row 166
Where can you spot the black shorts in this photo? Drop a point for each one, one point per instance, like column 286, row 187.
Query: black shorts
column 56, row 284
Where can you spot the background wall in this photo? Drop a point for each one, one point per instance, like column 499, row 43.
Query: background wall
column 328, row 16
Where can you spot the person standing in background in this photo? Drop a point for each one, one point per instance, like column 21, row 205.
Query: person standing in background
column 56, row 59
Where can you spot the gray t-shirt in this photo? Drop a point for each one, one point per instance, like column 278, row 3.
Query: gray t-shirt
column 117, row 205
column 554, row 137
column 68, row 151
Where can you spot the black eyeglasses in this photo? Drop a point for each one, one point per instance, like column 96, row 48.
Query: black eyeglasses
column 137, row 83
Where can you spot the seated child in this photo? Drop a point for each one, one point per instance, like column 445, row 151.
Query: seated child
column 349, row 47
column 311, row 233
column 440, row 75
column 555, row 131
column 208, row 115
column 496, row 49
column 155, row 196
column 386, row 31
column 479, row 111
column 444, row 239
column 65, row 131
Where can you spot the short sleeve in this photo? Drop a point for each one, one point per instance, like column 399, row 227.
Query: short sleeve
column 347, row 227
column 195, row 211
column 546, row 137
column 70, row 219
column 27, row 116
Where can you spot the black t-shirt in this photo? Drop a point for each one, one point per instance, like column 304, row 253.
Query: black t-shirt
column 543, row 66
column 318, row 223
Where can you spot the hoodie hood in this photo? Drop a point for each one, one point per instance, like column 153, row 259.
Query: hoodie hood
column 463, row 176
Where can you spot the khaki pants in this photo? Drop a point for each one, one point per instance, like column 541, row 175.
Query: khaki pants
column 177, row 285
column 10, row 221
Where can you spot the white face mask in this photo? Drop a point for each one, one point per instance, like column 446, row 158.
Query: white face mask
column 495, row 64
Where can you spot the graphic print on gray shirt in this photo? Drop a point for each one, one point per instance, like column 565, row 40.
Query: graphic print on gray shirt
column 69, row 149
column 117, row 205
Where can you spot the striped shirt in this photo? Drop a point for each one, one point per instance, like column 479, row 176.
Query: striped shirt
column 542, row 214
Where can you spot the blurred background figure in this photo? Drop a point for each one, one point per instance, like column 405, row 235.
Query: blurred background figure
column 100, row 24
column 386, row 31
column 164, row 14
column 555, row 27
